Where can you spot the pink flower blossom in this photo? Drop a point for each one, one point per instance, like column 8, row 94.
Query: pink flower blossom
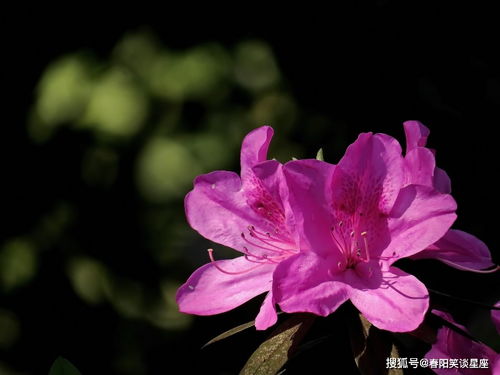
column 354, row 221
column 457, row 249
column 451, row 344
column 249, row 214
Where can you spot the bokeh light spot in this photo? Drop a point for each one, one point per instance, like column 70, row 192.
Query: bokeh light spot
column 165, row 169
column 9, row 329
column 89, row 279
column 18, row 263
column 255, row 67
column 62, row 95
column 117, row 106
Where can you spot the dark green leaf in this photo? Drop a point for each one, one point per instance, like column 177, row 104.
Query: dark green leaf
column 62, row 366
column 371, row 347
column 230, row 332
column 273, row 353
column 319, row 155
column 312, row 343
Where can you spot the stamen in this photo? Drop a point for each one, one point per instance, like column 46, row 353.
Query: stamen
column 276, row 249
column 262, row 259
column 259, row 258
column 267, row 241
column 334, row 237
column 247, row 257
column 363, row 234
column 211, row 256
column 266, row 235
column 346, row 248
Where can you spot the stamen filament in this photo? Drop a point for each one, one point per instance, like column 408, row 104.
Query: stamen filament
column 277, row 249
column 211, row 256
column 266, row 241
column 266, row 235
column 332, row 233
column 367, row 259
column 260, row 257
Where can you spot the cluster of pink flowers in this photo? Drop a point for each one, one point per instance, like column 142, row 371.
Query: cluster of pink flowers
column 313, row 235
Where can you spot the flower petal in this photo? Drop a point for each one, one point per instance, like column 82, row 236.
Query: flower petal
column 416, row 134
column 365, row 185
column 218, row 210
column 210, row 291
column 442, row 182
column 267, row 315
column 495, row 366
column 396, row 301
column 308, row 181
column 370, row 174
column 271, row 177
column 254, row 148
column 303, row 283
column 420, row 217
column 420, row 165
column 416, row 139
column 460, row 250
column 222, row 211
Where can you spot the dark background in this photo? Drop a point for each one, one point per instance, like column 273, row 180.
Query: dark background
column 368, row 68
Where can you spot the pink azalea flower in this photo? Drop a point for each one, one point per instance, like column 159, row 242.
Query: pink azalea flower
column 249, row 214
column 354, row 221
column 457, row 249
column 451, row 344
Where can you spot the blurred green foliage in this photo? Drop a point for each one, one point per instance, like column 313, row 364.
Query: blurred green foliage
column 18, row 263
column 153, row 118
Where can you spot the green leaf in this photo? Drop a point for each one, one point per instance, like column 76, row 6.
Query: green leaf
column 371, row 347
column 62, row 366
column 230, row 332
column 319, row 155
column 273, row 353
